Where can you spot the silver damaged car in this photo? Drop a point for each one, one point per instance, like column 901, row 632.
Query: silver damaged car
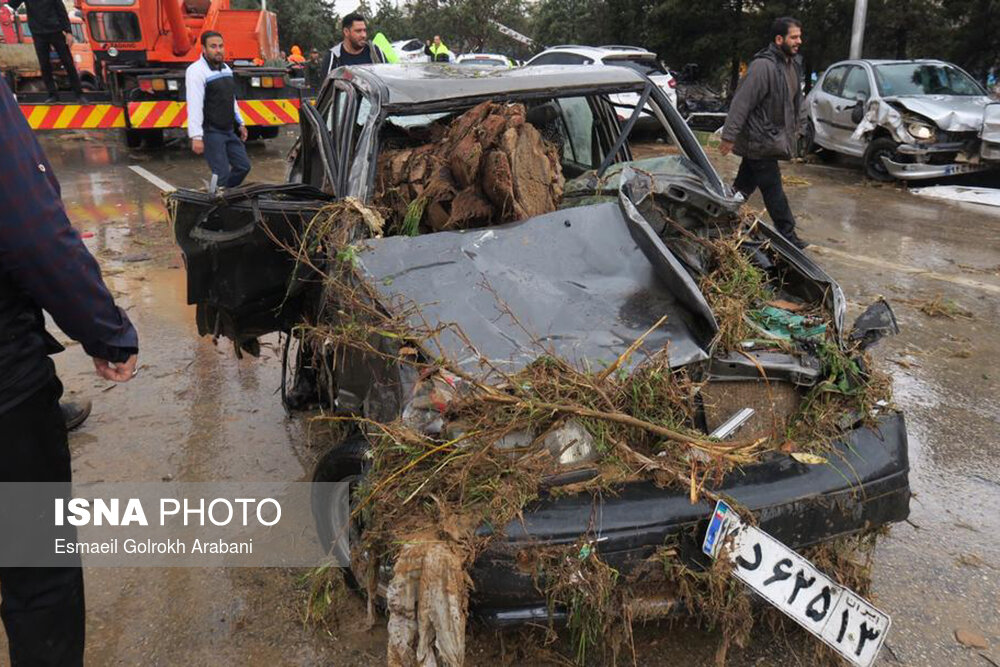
column 907, row 119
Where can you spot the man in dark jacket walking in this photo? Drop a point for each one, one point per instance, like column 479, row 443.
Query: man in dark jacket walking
column 44, row 266
column 50, row 29
column 763, row 122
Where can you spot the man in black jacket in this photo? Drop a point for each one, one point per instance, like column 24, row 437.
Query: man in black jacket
column 44, row 266
column 763, row 122
column 355, row 49
column 50, row 29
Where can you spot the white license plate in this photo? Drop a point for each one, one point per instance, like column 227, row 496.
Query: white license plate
column 839, row 617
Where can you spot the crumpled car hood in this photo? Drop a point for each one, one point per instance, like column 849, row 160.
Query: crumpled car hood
column 581, row 283
column 952, row 113
column 575, row 283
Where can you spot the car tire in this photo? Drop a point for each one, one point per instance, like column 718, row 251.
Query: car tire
column 347, row 463
column 874, row 168
column 133, row 138
column 260, row 133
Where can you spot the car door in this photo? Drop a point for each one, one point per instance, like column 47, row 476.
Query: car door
column 822, row 106
column 847, row 109
column 242, row 247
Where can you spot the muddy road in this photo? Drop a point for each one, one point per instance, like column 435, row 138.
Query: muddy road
column 197, row 413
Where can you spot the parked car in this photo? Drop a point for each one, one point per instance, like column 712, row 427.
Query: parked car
column 411, row 51
column 632, row 57
column 906, row 119
column 484, row 59
column 593, row 275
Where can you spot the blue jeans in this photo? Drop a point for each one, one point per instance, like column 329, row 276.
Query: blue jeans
column 227, row 157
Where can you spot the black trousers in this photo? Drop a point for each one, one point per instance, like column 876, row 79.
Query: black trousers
column 43, row 43
column 42, row 608
column 766, row 175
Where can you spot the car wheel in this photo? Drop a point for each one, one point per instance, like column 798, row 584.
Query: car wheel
column 254, row 133
column 346, row 463
column 133, row 138
column 874, row 167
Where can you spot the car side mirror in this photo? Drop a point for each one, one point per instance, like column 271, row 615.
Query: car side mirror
column 877, row 322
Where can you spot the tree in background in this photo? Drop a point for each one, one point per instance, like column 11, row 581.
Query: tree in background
column 391, row 21
column 308, row 23
column 466, row 25
column 715, row 35
column 568, row 22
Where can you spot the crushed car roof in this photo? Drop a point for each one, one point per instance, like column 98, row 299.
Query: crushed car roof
column 435, row 82
column 583, row 290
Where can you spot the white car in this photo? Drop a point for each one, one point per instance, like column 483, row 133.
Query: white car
column 632, row 57
column 906, row 119
column 411, row 51
column 484, row 59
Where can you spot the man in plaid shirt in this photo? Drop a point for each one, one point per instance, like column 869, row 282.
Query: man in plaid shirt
column 44, row 266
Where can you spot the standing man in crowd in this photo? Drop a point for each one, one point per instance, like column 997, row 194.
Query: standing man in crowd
column 214, row 122
column 44, row 266
column 764, row 122
column 438, row 52
column 314, row 70
column 354, row 49
column 50, row 29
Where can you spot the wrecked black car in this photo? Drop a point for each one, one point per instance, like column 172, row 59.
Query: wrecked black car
column 534, row 235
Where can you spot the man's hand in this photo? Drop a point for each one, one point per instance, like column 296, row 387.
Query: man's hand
column 122, row 372
column 69, row 38
column 726, row 147
column 242, row 131
column 198, row 146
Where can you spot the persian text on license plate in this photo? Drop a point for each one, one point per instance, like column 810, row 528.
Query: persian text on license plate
column 839, row 617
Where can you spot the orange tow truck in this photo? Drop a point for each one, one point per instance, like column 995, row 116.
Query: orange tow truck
column 141, row 49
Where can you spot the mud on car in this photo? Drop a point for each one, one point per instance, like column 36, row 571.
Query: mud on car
column 612, row 267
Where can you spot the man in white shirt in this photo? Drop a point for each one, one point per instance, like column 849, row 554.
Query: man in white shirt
column 215, row 125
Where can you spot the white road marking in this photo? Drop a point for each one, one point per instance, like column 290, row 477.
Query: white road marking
column 903, row 268
column 152, row 178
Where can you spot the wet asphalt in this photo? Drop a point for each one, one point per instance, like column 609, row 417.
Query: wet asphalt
column 197, row 413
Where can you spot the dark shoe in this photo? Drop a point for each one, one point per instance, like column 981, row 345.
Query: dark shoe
column 75, row 413
column 82, row 99
column 51, row 99
column 794, row 239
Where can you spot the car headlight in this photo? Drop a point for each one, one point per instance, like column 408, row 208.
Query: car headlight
column 920, row 131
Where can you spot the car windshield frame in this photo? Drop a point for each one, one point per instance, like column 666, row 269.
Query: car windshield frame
column 902, row 85
column 398, row 115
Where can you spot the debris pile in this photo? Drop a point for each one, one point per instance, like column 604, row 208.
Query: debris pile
column 490, row 167
column 462, row 453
